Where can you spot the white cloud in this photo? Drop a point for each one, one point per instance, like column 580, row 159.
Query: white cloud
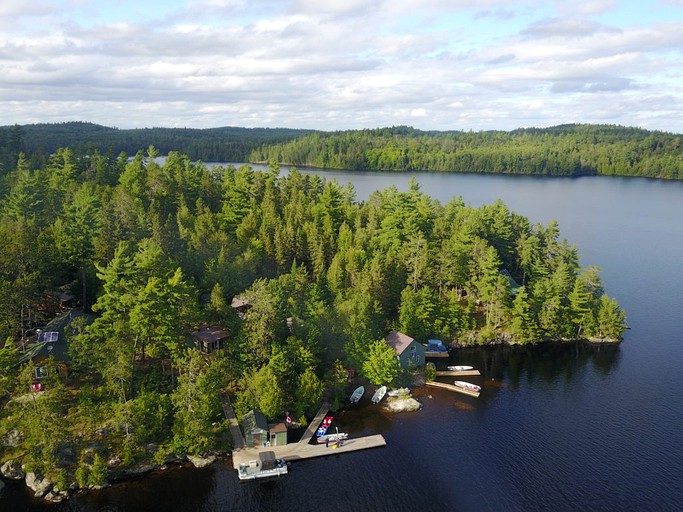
column 334, row 65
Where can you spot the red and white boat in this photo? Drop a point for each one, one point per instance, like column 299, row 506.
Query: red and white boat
column 466, row 385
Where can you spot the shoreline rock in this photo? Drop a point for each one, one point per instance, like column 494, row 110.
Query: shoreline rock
column 38, row 484
column 201, row 462
column 12, row 470
column 401, row 404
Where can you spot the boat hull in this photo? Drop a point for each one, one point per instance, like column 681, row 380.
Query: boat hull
column 466, row 385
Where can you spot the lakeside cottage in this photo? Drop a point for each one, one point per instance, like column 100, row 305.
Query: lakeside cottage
column 210, row 338
column 409, row 352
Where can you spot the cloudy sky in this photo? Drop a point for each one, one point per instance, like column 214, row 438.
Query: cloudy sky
column 341, row 64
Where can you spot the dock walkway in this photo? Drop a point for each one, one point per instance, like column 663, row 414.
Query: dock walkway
column 464, row 373
column 451, row 387
column 314, row 424
column 238, row 442
column 296, row 451
column 435, row 353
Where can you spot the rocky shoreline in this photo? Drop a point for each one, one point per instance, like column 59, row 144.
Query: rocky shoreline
column 48, row 491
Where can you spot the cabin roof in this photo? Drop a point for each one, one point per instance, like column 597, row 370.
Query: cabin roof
column 210, row 333
column 239, row 302
column 277, row 427
column 254, row 421
column 398, row 341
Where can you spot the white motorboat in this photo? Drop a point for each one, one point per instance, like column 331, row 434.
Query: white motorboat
column 459, row 368
column 466, row 385
column 379, row 394
column 399, row 392
column 357, row 394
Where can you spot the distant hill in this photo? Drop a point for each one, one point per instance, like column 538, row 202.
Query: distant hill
column 564, row 150
column 212, row 144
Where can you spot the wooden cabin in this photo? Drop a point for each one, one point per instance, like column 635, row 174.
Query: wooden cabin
column 409, row 352
column 255, row 428
column 278, row 434
column 210, row 338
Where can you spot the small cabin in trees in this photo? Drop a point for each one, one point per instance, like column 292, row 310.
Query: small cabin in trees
column 255, row 428
column 409, row 352
column 210, row 338
column 240, row 305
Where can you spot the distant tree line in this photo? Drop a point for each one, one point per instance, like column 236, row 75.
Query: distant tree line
column 227, row 144
column 568, row 150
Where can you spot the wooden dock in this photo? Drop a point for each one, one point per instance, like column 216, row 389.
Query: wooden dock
column 435, row 353
column 451, row 387
column 465, row 373
column 238, row 442
column 294, row 451
column 315, row 423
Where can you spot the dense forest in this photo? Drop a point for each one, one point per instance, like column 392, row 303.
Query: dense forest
column 569, row 150
column 227, row 144
column 150, row 252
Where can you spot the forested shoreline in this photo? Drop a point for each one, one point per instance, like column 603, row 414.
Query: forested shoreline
column 151, row 252
column 565, row 150
column 568, row 150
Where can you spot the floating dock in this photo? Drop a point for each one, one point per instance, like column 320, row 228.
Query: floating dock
column 464, row 373
column 451, row 387
column 435, row 353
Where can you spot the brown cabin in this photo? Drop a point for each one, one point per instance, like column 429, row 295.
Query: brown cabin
column 210, row 338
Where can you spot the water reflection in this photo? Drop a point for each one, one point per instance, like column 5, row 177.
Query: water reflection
column 548, row 363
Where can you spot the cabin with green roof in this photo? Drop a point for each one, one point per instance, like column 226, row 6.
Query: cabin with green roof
column 255, row 428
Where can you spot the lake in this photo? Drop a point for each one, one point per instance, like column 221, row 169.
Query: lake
column 561, row 427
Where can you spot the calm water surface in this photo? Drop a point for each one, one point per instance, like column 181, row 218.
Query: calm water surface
column 557, row 427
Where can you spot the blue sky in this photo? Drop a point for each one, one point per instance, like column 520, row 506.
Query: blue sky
column 333, row 64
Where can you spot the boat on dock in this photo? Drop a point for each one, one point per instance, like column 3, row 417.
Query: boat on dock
column 379, row 394
column 436, row 346
column 322, row 429
column 333, row 438
column 357, row 394
column 459, row 368
column 467, row 385
column 264, row 467
column 399, row 392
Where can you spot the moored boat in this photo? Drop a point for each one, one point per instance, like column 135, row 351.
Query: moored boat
column 459, row 368
column 399, row 392
column 333, row 438
column 379, row 394
column 322, row 429
column 357, row 394
column 467, row 385
column 265, row 466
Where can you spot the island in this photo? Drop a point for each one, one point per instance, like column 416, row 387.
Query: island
column 171, row 288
